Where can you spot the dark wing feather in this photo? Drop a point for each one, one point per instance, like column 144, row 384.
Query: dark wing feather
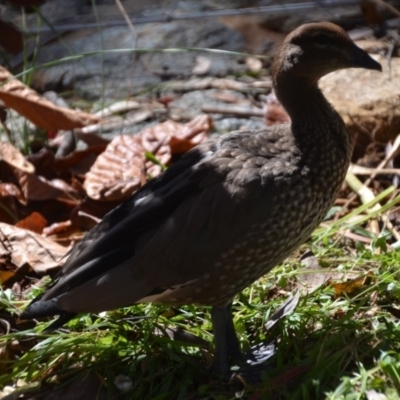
column 112, row 241
column 168, row 233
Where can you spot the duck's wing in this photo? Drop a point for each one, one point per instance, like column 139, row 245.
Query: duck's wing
column 168, row 233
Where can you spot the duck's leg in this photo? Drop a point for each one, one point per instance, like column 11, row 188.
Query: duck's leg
column 235, row 354
column 226, row 343
column 227, row 349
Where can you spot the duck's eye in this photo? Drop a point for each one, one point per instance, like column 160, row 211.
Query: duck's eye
column 322, row 39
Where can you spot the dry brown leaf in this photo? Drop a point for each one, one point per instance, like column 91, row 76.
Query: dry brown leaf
column 59, row 227
column 12, row 201
column 44, row 163
column 353, row 285
column 190, row 134
column 38, row 110
column 24, row 247
column 34, row 222
column 202, row 66
column 38, row 188
column 156, row 140
column 122, row 168
column 312, row 275
column 117, row 171
column 80, row 162
column 10, row 190
column 14, row 158
column 5, row 276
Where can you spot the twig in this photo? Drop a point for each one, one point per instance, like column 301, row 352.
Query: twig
column 134, row 33
column 366, row 196
column 140, row 116
column 118, row 107
column 359, row 170
column 89, row 216
column 121, row 8
column 217, row 83
column 393, row 152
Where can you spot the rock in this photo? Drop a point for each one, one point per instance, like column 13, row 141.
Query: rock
column 190, row 104
column 368, row 102
column 119, row 74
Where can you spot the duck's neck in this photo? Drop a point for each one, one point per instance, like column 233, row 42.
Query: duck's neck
column 301, row 99
column 313, row 118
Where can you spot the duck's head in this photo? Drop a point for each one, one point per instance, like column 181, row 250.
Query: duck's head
column 316, row 49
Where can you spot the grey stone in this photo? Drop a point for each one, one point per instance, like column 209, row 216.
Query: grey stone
column 119, row 74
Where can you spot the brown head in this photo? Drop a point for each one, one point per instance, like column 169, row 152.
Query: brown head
column 316, row 49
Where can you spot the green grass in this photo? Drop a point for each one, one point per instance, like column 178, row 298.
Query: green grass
column 333, row 346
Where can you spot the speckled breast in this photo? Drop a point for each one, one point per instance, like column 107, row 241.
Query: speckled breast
column 291, row 220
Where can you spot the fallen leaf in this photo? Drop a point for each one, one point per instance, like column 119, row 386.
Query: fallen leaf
column 10, row 190
column 44, row 163
column 14, row 158
column 122, row 168
column 12, row 202
column 34, row 222
column 285, row 309
column 312, row 275
column 24, row 247
column 5, row 276
column 202, row 66
column 57, row 227
column 41, row 112
column 116, row 173
column 353, row 285
column 38, row 188
column 79, row 162
column 191, row 134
